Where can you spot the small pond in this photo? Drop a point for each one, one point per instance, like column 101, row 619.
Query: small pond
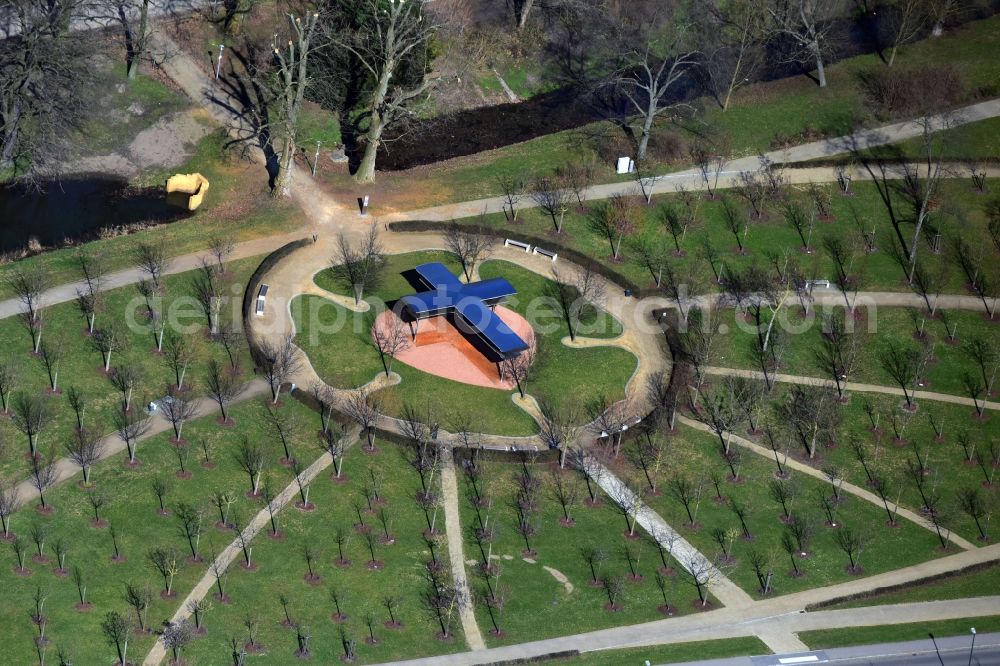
column 77, row 209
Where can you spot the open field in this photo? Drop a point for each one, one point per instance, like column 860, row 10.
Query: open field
column 538, row 603
column 281, row 570
column 132, row 511
column 79, row 363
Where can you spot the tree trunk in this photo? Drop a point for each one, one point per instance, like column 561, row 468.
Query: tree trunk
column 13, row 123
column 522, row 18
column 647, row 129
column 820, row 69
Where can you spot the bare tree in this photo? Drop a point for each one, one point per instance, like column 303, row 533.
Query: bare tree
column 648, row 76
column 126, row 378
column 10, row 503
column 807, row 26
column 85, row 448
column 9, row 376
column 972, row 503
column 575, row 296
column 326, row 398
column 358, row 267
column 852, row 542
column 209, row 292
column 139, row 598
column 131, row 426
column 289, row 79
column 179, row 352
column 615, row 220
column 903, row 364
column 252, row 459
column 519, row 367
column 700, row 573
column 43, row 475
column 364, row 408
column 735, row 31
column 224, row 387
column 221, row 248
column 810, row 414
column 44, row 73
column 178, row 410
column 552, row 196
column 278, row 362
column 395, row 34
column 512, row 189
column 117, row 632
column 29, row 283
column 839, row 352
column 191, row 527
column 390, row 338
column 151, row 259
column 32, row 415
column 579, row 176
column 558, row 428
column 470, row 248
column 107, row 341
column 176, row 637
column 903, row 20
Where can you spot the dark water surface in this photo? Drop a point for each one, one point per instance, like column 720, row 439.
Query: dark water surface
column 77, row 210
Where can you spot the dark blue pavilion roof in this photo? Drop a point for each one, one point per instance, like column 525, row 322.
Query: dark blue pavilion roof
column 469, row 302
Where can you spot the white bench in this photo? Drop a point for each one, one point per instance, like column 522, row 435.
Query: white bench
column 825, row 284
column 261, row 296
column 518, row 244
column 545, row 253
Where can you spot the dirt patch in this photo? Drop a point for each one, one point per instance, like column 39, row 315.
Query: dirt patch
column 561, row 577
column 166, row 144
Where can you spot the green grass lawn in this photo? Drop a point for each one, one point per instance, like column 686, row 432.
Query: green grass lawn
column 539, row 605
column 876, row 328
column 831, row 638
column 946, row 459
column 696, row 455
column 353, row 360
column 82, row 367
column 281, row 571
column 669, row 654
column 132, row 511
column 773, row 236
column 391, row 282
column 959, row 586
column 237, row 207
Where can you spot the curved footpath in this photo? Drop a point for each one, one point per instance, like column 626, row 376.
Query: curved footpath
column 294, row 276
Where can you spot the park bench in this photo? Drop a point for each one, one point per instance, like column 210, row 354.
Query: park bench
column 825, row 284
column 261, row 296
column 546, row 253
column 518, row 244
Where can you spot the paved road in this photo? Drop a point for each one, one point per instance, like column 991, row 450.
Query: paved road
column 725, row 623
column 936, row 651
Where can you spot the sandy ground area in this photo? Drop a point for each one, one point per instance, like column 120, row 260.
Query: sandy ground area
column 441, row 349
column 166, row 144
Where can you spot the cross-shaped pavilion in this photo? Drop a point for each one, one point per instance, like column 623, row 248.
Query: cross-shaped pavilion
column 471, row 305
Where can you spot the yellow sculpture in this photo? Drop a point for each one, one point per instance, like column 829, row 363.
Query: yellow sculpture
column 186, row 190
